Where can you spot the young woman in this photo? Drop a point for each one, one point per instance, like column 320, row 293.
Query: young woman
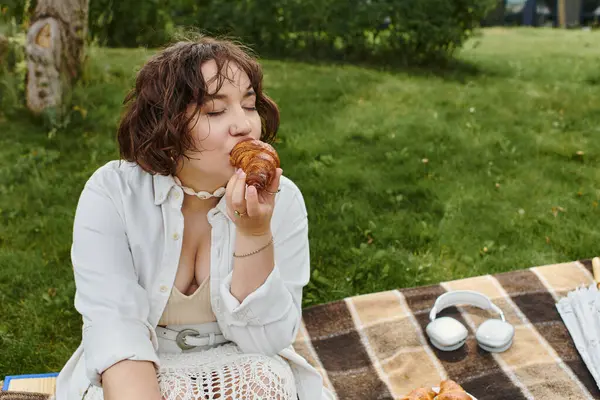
column 188, row 296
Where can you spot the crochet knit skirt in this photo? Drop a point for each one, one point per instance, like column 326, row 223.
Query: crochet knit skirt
column 223, row 373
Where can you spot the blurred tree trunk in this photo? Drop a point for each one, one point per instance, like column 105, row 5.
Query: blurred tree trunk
column 55, row 51
column 3, row 49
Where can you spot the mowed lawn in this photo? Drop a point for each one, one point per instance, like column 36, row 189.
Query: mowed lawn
column 410, row 178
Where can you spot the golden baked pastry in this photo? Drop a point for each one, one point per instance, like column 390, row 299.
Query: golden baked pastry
column 258, row 160
column 450, row 390
column 420, row 394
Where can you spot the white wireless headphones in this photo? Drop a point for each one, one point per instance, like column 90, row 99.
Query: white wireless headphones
column 447, row 334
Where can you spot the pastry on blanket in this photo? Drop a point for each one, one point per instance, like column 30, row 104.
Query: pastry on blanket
column 450, row 390
column 258, row 160
column 420, row 394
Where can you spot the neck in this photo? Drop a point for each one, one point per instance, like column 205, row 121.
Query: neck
column 195, row 205
column 200, row 202
column 198, row 184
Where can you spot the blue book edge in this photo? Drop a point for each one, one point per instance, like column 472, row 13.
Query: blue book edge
column 7, row 379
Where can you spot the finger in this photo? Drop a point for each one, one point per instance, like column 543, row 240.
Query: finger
column 237, row 200
column 252, row 203
column 274, row 186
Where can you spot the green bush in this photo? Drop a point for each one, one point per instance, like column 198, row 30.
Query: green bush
column 129, row 23
column 398, row 31
column 405, row 31
column 115, row 23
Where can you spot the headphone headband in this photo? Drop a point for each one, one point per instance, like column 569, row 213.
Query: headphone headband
column 469, row 297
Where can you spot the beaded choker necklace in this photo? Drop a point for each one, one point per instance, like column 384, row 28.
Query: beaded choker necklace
column 202, row 195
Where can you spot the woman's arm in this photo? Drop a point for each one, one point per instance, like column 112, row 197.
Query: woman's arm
column 250, row 272
column 263, row 294
column 114, row 306
column 131, row 380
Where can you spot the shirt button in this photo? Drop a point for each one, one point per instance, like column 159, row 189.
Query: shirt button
column 164, row 288
column 176, row 236
column 176, row 195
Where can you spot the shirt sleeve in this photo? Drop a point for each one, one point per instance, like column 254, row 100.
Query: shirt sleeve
column 113, row 305
column 268, row 319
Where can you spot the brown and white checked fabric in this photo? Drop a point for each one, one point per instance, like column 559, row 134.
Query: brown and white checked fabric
column 22, row 396
column 373, row 346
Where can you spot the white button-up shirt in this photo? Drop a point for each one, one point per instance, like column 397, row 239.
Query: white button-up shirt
column 127, row 240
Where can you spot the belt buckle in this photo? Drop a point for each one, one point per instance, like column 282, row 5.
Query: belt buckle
column 180, row 339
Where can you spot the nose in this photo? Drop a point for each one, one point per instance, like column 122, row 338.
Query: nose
column 240, row 125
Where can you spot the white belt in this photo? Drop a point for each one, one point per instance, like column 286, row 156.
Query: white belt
column 188, row 338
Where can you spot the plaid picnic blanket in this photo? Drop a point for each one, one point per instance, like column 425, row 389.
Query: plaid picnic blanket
column 373, row 346
column 22, row 396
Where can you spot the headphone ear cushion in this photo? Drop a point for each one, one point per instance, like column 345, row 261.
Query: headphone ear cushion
column 495, row 335
column 446, row 333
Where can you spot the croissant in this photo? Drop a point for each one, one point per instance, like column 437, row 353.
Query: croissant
column 450, row 390
column 258, row 160
column 420, row 394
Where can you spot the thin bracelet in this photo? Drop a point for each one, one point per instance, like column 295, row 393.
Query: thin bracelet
column 255, row 251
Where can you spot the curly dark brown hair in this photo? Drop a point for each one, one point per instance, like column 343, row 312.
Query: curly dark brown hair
column 154, row 129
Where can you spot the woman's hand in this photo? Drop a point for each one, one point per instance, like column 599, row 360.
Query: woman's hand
column 255, row 209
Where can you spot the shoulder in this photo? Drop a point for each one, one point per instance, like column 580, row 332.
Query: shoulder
column 119, row 175
column 117, row 187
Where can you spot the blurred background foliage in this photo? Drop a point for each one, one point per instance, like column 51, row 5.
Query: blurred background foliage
column 388, row 31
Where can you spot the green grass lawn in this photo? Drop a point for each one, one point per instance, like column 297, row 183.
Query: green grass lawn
column 409, row 178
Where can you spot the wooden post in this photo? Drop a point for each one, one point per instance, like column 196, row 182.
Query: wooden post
column 562, row 14
column 55, row 51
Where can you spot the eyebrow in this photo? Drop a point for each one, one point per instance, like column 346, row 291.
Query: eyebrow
column 250, row 92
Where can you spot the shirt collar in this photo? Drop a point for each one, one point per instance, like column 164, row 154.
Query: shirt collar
column 163, row 185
